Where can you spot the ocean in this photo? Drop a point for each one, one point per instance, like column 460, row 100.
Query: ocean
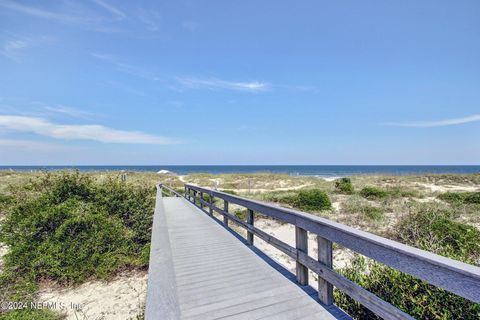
column 295, row 170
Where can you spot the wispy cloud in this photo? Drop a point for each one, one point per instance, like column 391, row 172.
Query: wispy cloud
column 151, row 19
column 217, row 84
column 436, row 123
column 13, row 48
column 27, row 107
column 92, row 132
column 110, row 8
column 126, row 68
column 69, row 111
column 77, row 15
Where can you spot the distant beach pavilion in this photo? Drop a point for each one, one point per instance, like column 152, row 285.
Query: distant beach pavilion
column 163, row 171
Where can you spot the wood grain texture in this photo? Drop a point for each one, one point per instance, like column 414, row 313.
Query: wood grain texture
column 225, row 208
column 325, row 257
column 250, row 221
column 301, row 244
column 161, row 304
column 214, row 275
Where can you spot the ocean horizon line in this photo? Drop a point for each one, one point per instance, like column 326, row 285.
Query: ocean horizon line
column 293, row 170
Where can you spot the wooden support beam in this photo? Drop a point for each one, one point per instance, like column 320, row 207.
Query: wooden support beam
column 301, row 243
column 250, row 221
column 325, row 257
column 225, row 208
column 210, row 201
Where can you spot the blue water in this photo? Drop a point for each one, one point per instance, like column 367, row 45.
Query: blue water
column 303, row 170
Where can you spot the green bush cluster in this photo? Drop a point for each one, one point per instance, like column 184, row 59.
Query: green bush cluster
column 461, row 197
column 344, row 185
column 429, row 227
column 313, row 199
column 31, row 314
column 69, row 229
column 373, row 193
column 434, row 228
column 286, row 197
column 415, row 297
column 372, row 213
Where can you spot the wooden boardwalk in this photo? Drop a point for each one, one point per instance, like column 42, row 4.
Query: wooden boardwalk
column 202, row 271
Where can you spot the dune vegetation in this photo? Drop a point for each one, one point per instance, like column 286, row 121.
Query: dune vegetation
column 70, row 227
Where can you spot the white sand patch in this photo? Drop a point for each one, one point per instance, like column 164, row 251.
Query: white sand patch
column 121, row 298
column 329, row 179
column 259, row 190
column 428, row 199
column 446, row 188
column 3, row 252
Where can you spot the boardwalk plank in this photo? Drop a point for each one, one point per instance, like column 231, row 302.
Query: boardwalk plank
column 217, row 276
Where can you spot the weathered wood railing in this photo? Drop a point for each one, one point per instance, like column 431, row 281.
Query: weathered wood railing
column 451, row 275
column 170, row 192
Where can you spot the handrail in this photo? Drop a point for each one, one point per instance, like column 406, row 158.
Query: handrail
column 165, row 189
column 454, row 276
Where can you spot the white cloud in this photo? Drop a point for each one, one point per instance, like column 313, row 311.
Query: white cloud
column 75, row 14
column 13, row 48
column 150, row 18
column 216, row 84
column 436, row 123
column 69, row 111
column 79, row 132
column 126, row 68
column 113, row 10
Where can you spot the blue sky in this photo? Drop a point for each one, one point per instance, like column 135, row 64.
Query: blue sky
column 245, row 82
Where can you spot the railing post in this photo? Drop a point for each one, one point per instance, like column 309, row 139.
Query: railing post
column 195, row 197
column 301, row 243
column 200, row 201
column 250, row 221
column 225, row 208
column 210, row 201
column 325, row 289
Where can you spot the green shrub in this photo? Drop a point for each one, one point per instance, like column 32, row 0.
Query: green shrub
column 461, row 197
column 473, row 198
column 398, row 192
column 434, row 229
column 5, row 199
column 312, row 200
column 69, row 228
column 373, row 193
column 31, row 314
column 241, row 214
column 285, row 197
column 452, row 197
column 372, row 213
column 133, row 205
column 344, row 185
column 415, row 297
column 73, row 241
